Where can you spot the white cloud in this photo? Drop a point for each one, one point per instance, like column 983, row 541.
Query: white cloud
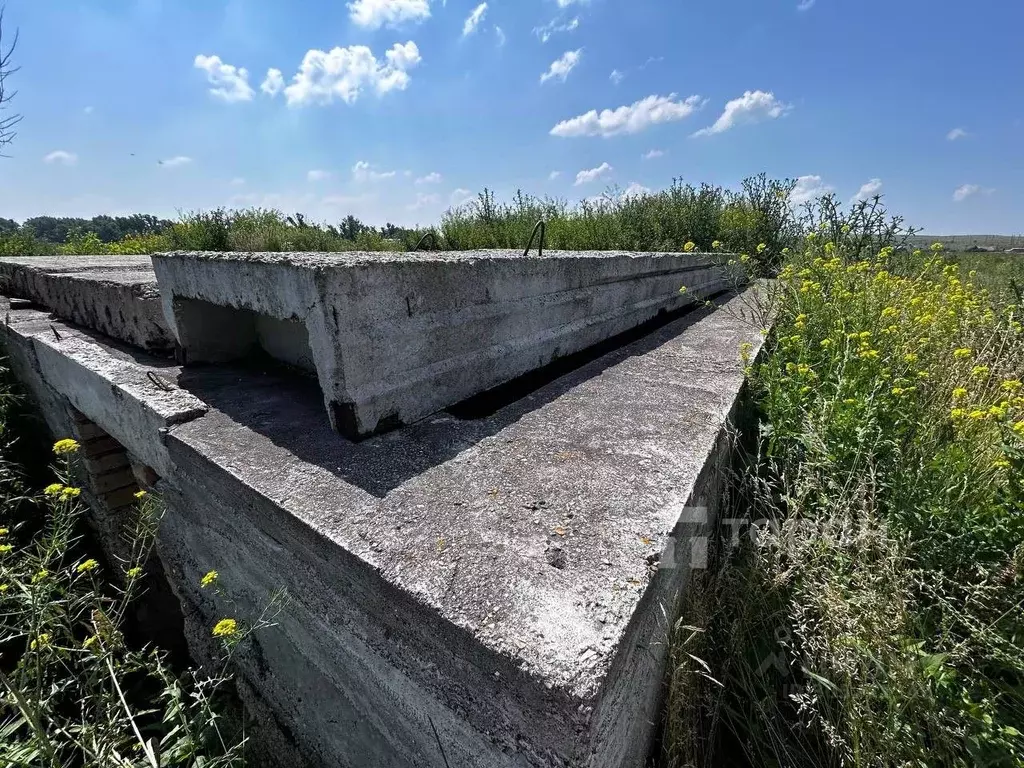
column 318, row 175
column 374, row 14
column 363, row 171
column 273, row 84
column 500, row 33
column 553, row 27
column 967, row 190
column 562, row 66
column 474, row 19
column 616, row 76
column 808, row 188
column 956, row 133
column 653, row 154
column 238, row 181
column 635, row 190
column 174, row 162
column 61, row 157
column 592, row 174
column 89, row 110
column 567, row 3
column 868, row 190
column 554, row 175
column 629, row 119
column 806, row 5
column 229, row 83
column 461, row 196
column 345, row 72
column 430, row 178
column 422, row 201
column 751, row 107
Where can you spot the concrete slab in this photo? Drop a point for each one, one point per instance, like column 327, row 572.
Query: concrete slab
column 395, row 337
column 490, row 592
column 115, row 295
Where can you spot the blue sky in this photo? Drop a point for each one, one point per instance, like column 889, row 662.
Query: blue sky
column 393, row 109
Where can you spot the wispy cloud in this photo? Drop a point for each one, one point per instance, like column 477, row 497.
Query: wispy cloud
column 967, row 190
column 616, row 77
column 228, row 83
column 635, row 189
column 805, row 5
column 592, row 174
column 363, row 171
column 500, row 34
column 633, row 118
column 61, row 157
column 474, row 19
column 555, row 26
column 562, row 66
column 175, row 162
column 956, row 133
column 461, row 196
column 318, row 175
column 424, row 201
column 808, row 188
column 430, row 178
column 554, row 175
column 868, row 190
column 652, row 154
column 751, row 107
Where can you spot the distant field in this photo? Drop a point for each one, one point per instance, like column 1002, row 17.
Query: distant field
column 960, row 242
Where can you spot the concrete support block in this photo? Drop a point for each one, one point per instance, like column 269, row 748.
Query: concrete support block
column 396, row 337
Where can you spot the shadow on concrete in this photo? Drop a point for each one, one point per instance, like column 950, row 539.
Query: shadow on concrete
column 288, row 410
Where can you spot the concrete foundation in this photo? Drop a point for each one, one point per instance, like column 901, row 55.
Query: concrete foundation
column 395, row 337
column 488, row 592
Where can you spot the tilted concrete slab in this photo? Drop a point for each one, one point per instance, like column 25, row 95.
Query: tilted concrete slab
column 115, row 295
column 395, row 337
column 487, row 589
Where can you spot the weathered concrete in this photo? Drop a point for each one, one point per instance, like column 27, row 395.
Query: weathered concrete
column 488, row 580
column 116, row 295
column 395, row 337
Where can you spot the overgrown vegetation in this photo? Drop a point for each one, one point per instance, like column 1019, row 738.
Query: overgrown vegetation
column 77, row 690
column 873, row 612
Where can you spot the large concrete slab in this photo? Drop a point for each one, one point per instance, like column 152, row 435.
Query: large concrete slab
column 395, row 337
column 115, row 295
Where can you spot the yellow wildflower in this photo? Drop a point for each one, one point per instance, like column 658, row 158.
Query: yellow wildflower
column 936, row 247
column 225, row 628
column 850, row 401
column 67, row 445
column 5, row 548
column 761, row 247
column 826, row 343
column 979, row 370
column 689, row 246
column 1019, row 428
column 683, row 289
column 1011, row 385
column 53, row 489
column 978, row 414
column 208, row 579
column 962, row 353
column 4, row 588
column 134, row 573
column 958, row 413
column 890, row 312
column 43, row 641
column 4, row 531
column 716, row 244
column 910, row 357
column 959, row 393
column 89, row 641
column 70, row 493
column 88, row 565
column 140, row 494
column 40, row 575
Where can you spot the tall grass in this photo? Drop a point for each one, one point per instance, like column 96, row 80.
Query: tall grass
column 874, row 615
